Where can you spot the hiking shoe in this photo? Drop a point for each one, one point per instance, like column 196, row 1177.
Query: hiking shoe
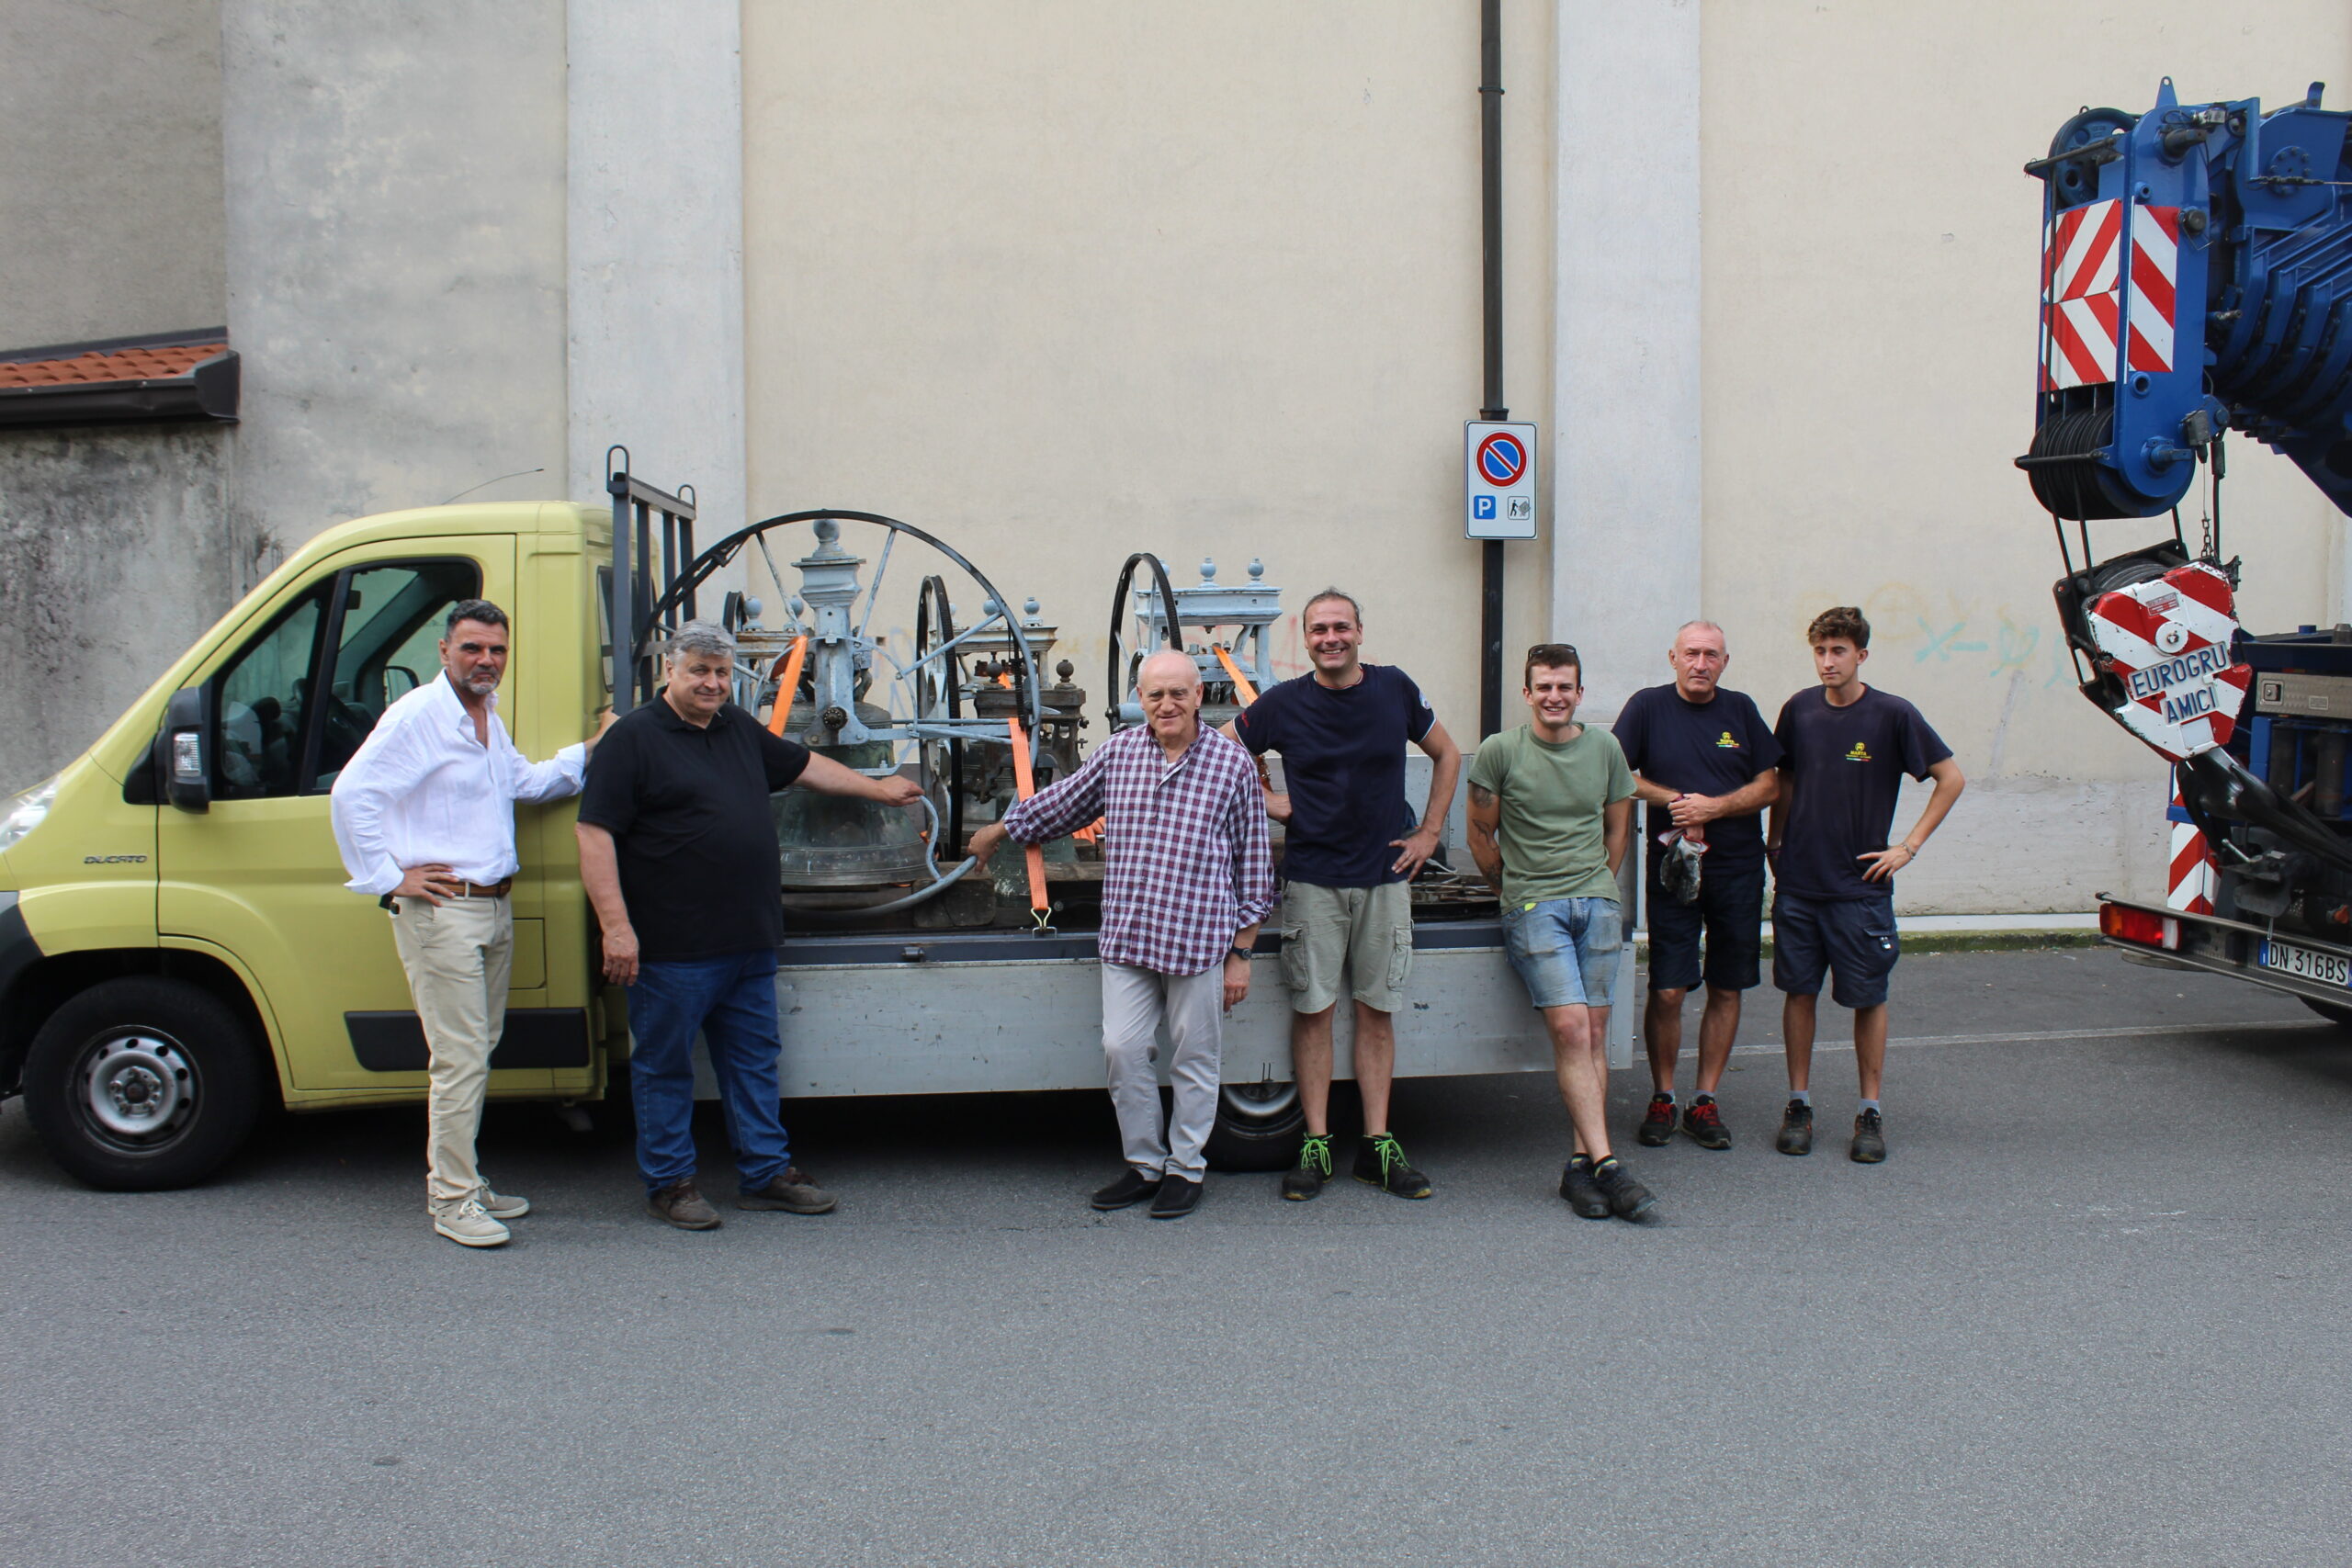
column 1584, row 1194
column 1380, row 1162
column 1657, row 1127
column 682, row 1206
column 1705, row 1124
column 1133, row 1187
column 1870, row 1139
column 791, row 1190
column 1627, row 1199
column 465, row 1223
column 1178, row 1195
column 1796, row 1129
column 500, row 1205
column 1305, row 1179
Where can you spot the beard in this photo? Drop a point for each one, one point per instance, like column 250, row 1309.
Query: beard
column 482, row 683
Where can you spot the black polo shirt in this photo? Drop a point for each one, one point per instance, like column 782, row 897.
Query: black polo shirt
column 689, row 815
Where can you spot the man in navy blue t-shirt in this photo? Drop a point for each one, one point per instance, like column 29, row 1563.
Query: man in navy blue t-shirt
column 1846, row 750
column 1708, row 766
column 1349, row 849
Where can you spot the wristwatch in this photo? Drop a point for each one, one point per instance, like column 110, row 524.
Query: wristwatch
column 1243, row 954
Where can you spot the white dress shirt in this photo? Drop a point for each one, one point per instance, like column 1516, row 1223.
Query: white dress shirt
column 422, row 790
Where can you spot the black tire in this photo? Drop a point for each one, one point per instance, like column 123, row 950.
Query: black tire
column 182, row 1063
column 2335, row 1012
column 1257, row 1127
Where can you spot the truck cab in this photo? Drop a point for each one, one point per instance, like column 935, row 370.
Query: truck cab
column 177, row 951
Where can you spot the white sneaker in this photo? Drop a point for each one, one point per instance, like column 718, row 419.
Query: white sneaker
column 500, row 1205
column 467, row 1225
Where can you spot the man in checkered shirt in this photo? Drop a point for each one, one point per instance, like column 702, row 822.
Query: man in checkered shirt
column 1186, row 878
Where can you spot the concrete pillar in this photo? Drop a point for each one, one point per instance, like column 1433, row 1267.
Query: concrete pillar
column 394, row 179
column 656, row 226
column 1624, row 445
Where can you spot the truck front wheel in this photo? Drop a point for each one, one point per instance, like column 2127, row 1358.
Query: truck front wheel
column 1257, row 1127
column 2335, row 1012
column 142, row 1083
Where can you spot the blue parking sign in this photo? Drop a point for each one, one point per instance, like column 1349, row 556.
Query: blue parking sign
column 1482, row 507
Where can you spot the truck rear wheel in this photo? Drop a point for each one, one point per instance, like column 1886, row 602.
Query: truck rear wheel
column 142, row 1083
column 1257, row 1127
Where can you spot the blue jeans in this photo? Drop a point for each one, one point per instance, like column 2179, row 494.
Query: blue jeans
column 731, row 1001
column 1566, row 949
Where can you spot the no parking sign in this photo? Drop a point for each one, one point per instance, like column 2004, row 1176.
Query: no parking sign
column 1499, row 480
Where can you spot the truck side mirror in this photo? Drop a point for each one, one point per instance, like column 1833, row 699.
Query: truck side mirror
column 184, row 751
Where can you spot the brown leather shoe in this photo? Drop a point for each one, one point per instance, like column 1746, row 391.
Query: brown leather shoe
column 684, row 1207
column 791, row 1190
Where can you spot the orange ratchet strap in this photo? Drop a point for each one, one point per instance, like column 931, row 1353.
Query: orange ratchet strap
column 787, row 686
column 1024, row 784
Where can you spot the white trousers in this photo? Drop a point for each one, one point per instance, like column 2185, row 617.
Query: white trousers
column 459, row 957
column 1136, row 1002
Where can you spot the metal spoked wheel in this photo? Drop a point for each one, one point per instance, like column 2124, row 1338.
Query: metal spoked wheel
column 1126, row 661
column 1257, row 1127
column 939, row 693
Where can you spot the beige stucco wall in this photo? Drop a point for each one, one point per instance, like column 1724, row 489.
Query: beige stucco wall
column 1871, row 260
column 111, row 218
column 1061, row 281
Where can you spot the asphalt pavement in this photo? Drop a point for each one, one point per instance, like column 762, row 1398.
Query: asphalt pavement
column 2091, row 1311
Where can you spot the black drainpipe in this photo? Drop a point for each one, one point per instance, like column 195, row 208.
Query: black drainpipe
column 1490, row 173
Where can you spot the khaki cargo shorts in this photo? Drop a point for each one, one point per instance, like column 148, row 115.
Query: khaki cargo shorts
column 1366, row 933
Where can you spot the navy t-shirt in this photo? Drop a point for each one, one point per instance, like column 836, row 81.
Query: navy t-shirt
column 1710, row 748
column 1846, row 766
column 1343, row 763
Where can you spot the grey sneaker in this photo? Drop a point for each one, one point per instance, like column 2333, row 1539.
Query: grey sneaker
column 465, row 1223
column 500, row 1205
column 791, row 1190
column 682, row 1206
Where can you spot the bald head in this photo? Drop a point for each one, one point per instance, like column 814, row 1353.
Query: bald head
column 1167, row 667
column 1167, row 684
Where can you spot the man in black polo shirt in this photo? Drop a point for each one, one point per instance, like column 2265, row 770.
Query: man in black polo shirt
column 1706, row 765
column 1351, row 849
column 678, row 853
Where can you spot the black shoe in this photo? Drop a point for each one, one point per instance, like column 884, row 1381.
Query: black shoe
column 1380, row 1162
column 1870, row 1139
column 1178, row 1195
column 1306, row 1180
column 1705, row 1124
column 1628, row 1199
column 1584, row 1195
column 1133, row 1187
column 1657, row 1127
column 1796, row 1129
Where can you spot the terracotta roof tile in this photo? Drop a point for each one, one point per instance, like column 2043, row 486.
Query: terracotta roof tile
column 125, row 365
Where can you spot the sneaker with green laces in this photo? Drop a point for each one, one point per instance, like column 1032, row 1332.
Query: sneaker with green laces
column 1305, row 1179
column 1380, row 1162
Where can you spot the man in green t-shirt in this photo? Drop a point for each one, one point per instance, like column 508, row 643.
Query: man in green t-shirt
column 1551, row 818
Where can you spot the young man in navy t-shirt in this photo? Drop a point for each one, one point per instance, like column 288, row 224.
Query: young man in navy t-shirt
column 1350, row 850
column 1845, row 748
column 1708, row 766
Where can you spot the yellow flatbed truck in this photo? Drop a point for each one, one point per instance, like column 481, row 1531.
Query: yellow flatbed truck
column 178, row 952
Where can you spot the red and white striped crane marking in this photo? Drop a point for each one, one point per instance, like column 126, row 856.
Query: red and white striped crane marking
column 2084, row 305
column 2169, row 642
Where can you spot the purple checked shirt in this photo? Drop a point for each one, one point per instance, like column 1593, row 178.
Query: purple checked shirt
column 1185, row 863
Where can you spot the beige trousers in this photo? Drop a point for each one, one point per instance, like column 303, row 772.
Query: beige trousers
column 459, row 957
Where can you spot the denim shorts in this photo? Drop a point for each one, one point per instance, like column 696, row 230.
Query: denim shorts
column 1566, row 949
column 1854, row 938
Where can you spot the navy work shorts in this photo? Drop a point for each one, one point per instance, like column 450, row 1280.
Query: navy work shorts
column 1730, row 910
column 1853, row 937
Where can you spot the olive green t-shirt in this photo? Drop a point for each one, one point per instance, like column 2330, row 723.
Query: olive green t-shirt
column 1552, row 798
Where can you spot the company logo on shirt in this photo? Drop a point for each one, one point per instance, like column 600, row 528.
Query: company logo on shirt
column 1859, row 753
column 1727, row 743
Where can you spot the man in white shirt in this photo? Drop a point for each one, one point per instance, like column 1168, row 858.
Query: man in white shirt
column 425, row 820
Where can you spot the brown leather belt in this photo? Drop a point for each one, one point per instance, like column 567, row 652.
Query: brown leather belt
column 477, row 890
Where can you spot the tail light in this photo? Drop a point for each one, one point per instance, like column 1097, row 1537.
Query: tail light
column 2139, row 926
